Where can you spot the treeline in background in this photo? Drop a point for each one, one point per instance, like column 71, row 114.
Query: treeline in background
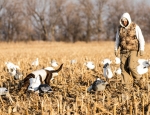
column 69, row 20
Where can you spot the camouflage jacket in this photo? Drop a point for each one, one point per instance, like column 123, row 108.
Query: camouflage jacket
column 128, row 40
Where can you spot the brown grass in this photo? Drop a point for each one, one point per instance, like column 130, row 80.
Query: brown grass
column 70, row 95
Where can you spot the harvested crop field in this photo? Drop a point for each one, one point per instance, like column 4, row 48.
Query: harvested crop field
column 70, row 96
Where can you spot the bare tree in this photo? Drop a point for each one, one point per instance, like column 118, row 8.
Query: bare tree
column 99, row 14
column 68, row 20
column 2, row 7
column 12, row 20
column 71, row 22
column 87, row 9
column 142, row 18
column 115, row 10
column 38, row 9
column 55, row 15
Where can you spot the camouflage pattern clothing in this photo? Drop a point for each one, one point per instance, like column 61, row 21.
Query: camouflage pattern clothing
column 130, row 40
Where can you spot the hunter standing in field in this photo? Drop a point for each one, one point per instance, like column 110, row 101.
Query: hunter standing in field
column 130, row 41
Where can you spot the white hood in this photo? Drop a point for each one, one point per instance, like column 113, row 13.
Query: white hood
column 127, row 16
column 139, row 34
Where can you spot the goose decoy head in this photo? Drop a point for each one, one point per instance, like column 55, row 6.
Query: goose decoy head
column 106, row 65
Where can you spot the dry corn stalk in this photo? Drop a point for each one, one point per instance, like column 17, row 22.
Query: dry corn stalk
column 9, row 110
column 37, row 105
column 68, row 110
column 143, row 105
column 115, row 109
column 131, row 108
column 135, row 104
column 27, row 111
column 60, row 104
column 42, row 106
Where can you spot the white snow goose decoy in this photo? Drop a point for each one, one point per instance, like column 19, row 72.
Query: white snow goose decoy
column 54, row 63
column 106, row 61
column 18, row 75
column 89, row 65
column 13, row 70
column 35, row 62
column 142, row 68
column 3, row 91
column 117, row 60
column 73, row 61
column 98, row 85
column 118, row 71
column 107, row 71
column 10, row 66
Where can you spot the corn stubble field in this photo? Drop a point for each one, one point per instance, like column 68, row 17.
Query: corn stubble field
column 70, row 96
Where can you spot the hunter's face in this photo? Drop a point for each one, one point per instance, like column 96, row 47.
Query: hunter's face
column 124, row 22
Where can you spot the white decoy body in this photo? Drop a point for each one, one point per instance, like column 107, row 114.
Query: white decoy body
column 118, row 71
column 144, row 62
column 117, row 60
column 107, row 71
column 35, row 62
column 98, row 85
column 54, row 63
column 89, row 65
column 13, row 70
column 18, row 75
column 73, row 61
column 142, row 68
column 3, row 91
column 106, row 61
column 10, row 66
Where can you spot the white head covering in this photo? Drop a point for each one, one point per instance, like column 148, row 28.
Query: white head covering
column 127, row 16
